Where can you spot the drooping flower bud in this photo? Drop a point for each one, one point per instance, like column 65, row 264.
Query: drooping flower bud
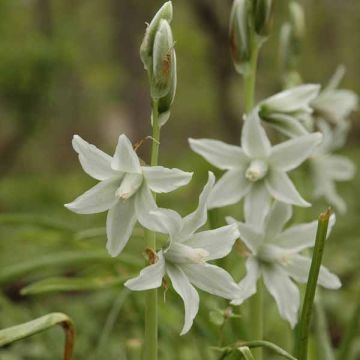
column 262, row 17
column 146, row 48
column 240, row 34
column 163, row 64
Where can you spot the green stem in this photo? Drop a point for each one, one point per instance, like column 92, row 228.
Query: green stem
column 304, row 325
column 256, row 306
column 250, row 78
column 151, row 316
column 256, row 318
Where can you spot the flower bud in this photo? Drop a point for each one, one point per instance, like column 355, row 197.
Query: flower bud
column 165, row 102
column 263, row 17
column 297, row 19
column 240, row 34
column 146, row 48
column 163, row 64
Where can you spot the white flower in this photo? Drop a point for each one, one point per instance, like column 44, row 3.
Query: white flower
column 328, row 168
column 123, row 186
column 257, row 170
column 333, row 104
column 275, row 254
column 185, row 259
column 289, row 111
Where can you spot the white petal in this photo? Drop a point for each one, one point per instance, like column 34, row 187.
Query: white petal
column 298, row 268
column 187, row 292
column 284, row 291
column 290, row 154
column 280, row 213
column 301, row 236
column 286, row 124
column 95, row 162
column 247, row 286
column 163, row 180
column 125, row 158
column 339, row 167
column 219, row 154
column 99, row 198
column 151, row 217
column 120, row 222
column 254, row 140
column 150, row 277
column 294, row 99
column 212, row 279
column 230, row 189
column 198, row 218
column 218, row 243
column 248, row 235
column 257, row 204
column 281, row 188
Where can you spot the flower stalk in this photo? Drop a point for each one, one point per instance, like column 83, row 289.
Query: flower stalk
column 304, row 325
column 151, row 308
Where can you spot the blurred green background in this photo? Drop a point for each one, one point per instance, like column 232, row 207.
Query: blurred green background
column 72, row 67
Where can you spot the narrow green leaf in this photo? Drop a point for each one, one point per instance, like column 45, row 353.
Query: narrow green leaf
column 246, row 353
column 63, row 260
column 22, row 331
column 62, row 284
column 304, row 324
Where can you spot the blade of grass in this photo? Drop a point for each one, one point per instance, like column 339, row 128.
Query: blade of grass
column 304, row 324
column 22, row 331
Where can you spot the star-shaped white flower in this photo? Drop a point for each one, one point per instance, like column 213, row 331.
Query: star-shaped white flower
column 328, row 168
column 289, row 111
column 333, row 104
column 275, row 255
column 185, row 259
column 123, row 186
column 257, row 170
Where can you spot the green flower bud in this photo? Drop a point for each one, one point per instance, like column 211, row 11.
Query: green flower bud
column 263, row 17
column 163, row 61
column 146, row 48
column 240, row 34
column 165, row 102
column 297, row 19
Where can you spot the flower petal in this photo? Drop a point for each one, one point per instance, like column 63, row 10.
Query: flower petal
column 198, row 218
column 99, row 198
column 165, row 221
column 230, row 189
column 219, row 154
column 301, row 236
column 338, row 167
column 280, row 213
column 284, row 291
column 212, row 279
column 218, row 243
column 250, row 237
column 95, row 162
column 281, row 188
column 163, row 180
column 288, row 155
column 187, row 292
column 150, row 277
column 247, row 286
column 257, row 204
column 298, row 268
column 254, row 140
column 291, row 100
column 125, row 158
column 120, row 222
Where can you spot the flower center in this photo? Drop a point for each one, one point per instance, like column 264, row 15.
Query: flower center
column 183, row 254
column 272, row 254
column 256, row 170
column 129, row 185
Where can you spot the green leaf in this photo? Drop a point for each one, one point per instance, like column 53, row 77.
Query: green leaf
column 64, row 260
column 246, row 353
column 22, row 331
column 61, row 284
